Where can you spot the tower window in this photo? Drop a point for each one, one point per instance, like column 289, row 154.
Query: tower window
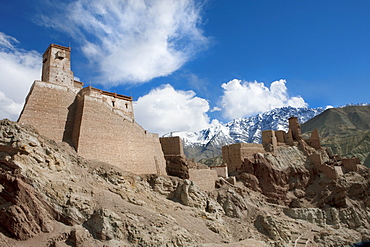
column 113, row 103
column 60, row 55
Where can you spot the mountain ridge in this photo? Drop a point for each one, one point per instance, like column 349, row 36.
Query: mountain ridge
column 207, row 143
column 346, row 130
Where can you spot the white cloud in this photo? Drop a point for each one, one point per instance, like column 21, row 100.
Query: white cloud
column 18, row 70
column 216, row 108
column 242, row 98
column 132, row 41
column 165, row 109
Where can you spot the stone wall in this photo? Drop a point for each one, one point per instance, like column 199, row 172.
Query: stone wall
column 106, row 136
column 50, row 108
column 204, row 178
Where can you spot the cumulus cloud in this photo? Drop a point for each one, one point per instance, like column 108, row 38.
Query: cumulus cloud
column 165, row 109
column 132, row 41
column 242, row 98
column 18, row 69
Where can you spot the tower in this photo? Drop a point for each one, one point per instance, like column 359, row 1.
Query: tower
column 57, row 66
column 295, row 127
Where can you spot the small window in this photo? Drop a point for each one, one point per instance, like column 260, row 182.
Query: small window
column 60, row 54
column 126, row 106
column 113, row 103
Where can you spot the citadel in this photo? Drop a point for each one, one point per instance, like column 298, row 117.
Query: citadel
column 101, row 126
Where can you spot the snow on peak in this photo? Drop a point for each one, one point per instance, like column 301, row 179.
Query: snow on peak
column 248, row 130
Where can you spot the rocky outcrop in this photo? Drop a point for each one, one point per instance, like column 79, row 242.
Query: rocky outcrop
column 276, row 175
column 24, row 212
column 50, row 196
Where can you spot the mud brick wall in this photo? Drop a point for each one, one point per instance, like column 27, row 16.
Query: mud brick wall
column 103, row 135
column 350, row 164
column 233, row 155
column 172, row 146
column 50, row 109
column 204, row 178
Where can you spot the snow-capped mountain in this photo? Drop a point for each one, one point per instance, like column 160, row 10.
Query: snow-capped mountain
column 207, row 143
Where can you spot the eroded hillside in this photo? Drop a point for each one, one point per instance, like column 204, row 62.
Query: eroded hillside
column 50, row 196
column 346, row 130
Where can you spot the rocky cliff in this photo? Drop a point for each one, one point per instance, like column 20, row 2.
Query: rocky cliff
column 50, row 196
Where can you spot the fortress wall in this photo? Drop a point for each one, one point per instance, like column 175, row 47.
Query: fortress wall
column 172, row 146
column 233, row 155
column 107, row 136
column 79, row 102
column 204, row 178
column 50, row 109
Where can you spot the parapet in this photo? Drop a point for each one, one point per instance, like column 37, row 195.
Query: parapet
column 121, row 104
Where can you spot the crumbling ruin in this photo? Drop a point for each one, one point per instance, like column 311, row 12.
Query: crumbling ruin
column 237, row 157
column 178, row 165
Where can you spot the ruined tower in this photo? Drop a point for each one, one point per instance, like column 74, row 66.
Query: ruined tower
column 295, row 127
column 99, row 125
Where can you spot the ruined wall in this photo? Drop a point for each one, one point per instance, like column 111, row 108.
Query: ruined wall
column 295, row 127
column 268, row 137
column 350, row 164
column 49, row 108
column 233, row 155
column 221, row 171
column 172, row 146
column 314, row 140
column 104, row 135
column 280, row 136
column 204, row 178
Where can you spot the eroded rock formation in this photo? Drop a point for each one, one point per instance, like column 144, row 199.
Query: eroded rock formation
column 50, row 196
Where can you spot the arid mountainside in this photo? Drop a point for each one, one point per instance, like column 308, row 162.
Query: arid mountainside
column 346, row 130
column 50, row 196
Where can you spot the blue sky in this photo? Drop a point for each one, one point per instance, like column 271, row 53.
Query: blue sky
column 189, row 64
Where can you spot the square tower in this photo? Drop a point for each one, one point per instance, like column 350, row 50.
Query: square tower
column 57, row 66
column 295, row 128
